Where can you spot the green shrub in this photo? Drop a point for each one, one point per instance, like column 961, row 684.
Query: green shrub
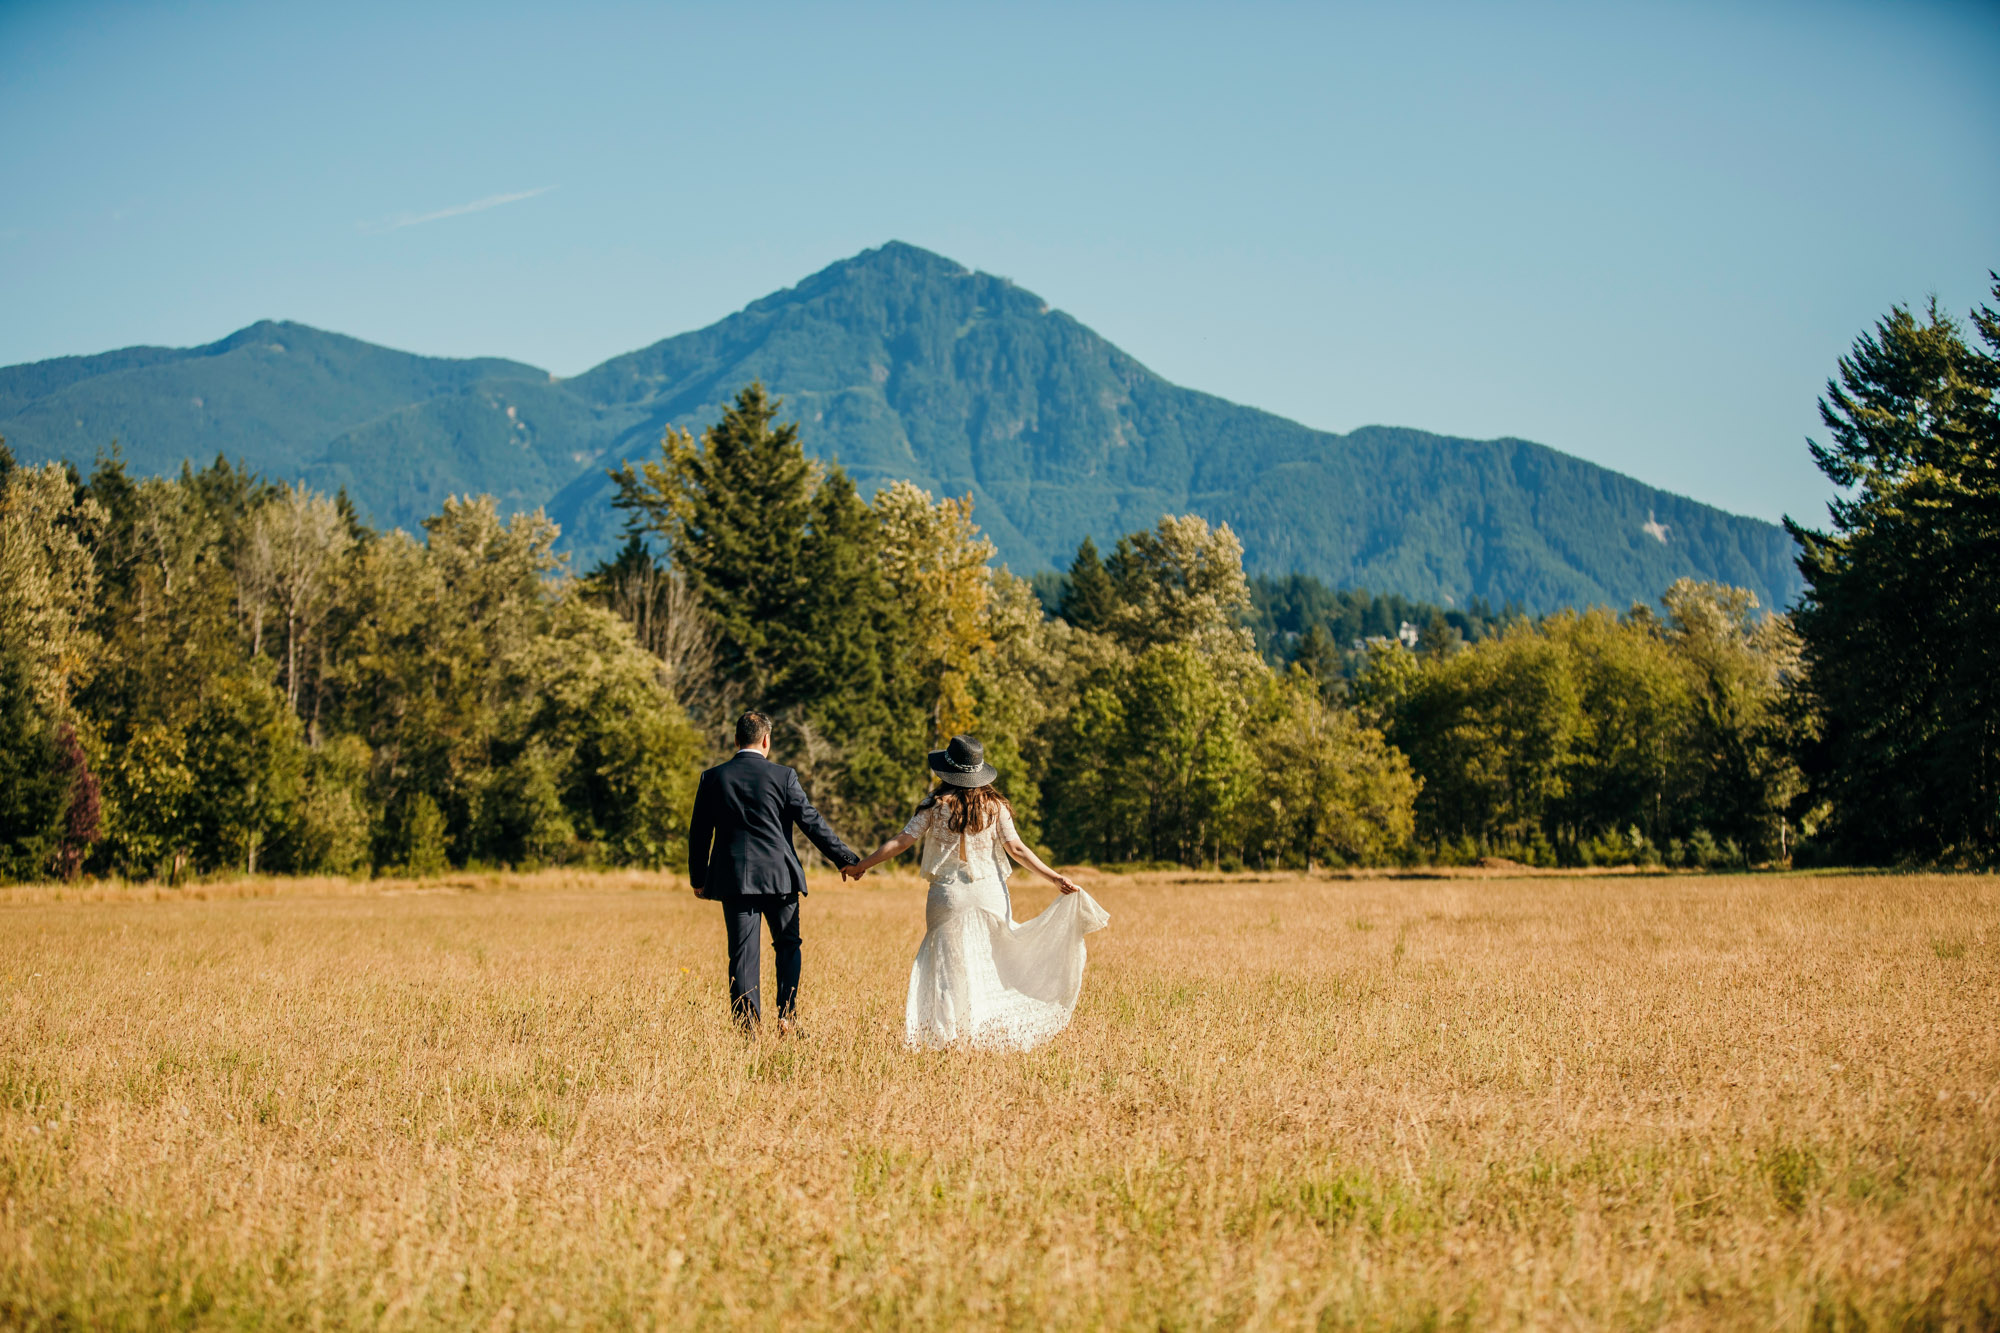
column 330, row 835
column 424, row 847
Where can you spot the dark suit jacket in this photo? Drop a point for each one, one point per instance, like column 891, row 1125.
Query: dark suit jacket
column 740, row 841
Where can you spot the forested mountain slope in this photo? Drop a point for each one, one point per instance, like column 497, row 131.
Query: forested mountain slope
column 401, row 431
column 903, row 364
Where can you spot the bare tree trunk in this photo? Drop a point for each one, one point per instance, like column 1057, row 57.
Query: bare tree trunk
column 295, row 540
column 292, row 659
column 319, row 695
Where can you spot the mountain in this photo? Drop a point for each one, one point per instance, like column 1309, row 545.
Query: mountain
column 401, row 431
column 902, row 364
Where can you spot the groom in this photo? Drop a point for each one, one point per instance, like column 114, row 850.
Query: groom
column 746, row 808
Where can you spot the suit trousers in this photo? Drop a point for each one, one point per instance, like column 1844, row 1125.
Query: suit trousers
column 741, row 913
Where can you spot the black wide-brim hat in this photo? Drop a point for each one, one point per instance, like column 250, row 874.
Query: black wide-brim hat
column 963, row 763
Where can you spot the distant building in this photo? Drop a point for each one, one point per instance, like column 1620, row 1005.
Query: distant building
column 1405, row 637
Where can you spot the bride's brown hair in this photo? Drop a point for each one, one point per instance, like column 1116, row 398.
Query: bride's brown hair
column 967, row 809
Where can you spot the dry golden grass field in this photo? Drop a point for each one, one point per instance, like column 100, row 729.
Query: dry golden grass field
column 1685, row 1102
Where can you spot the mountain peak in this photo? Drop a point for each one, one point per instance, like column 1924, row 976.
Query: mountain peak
column 263, row 332
column 903, row 364
column 894, row 265
column 901, row 256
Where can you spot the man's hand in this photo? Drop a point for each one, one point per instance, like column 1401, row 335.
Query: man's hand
column 854, row 871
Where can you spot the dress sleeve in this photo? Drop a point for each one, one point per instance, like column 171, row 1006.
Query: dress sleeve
column 920, row 822
column 1005, row 824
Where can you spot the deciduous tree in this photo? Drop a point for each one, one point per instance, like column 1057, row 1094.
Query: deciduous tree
column 294, row 542
column 1181, row 582
column 1329, row 788
column 934, row 564
column 48, row 578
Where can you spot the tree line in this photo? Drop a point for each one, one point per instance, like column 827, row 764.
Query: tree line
column 212, row 672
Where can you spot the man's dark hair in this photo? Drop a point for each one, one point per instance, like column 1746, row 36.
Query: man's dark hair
column 752, row 729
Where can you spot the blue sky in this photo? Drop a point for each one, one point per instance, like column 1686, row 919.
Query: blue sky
column 1638, row 233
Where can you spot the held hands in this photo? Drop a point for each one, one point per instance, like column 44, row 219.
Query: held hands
column 855, row 871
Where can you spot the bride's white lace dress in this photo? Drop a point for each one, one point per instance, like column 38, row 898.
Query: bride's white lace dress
column 980, row 979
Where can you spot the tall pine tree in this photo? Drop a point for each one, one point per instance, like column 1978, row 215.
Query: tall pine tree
column 1089, row 600
column 734, row 510
column 1901, row 618
column 786, row 557
column 856, row 703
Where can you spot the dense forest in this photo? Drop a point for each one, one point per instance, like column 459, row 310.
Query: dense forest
column 1298, row 618
column 213, row 673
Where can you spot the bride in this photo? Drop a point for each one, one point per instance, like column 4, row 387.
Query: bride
column 980, row 979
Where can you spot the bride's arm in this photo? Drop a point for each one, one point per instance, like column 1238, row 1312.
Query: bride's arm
column 894, row 847
column 1025, row 854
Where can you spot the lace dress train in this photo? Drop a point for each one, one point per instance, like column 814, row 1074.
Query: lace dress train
column 979, row 978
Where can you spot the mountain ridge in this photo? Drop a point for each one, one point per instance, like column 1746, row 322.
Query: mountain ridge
column 904, row 364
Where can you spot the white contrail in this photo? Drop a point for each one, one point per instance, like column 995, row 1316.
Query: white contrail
column 476, row 206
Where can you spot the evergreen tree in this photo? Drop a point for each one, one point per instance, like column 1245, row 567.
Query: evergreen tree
column 1900, row 621
column 33, row 790
column 633, row 561
column 787, row 559
column 836, row 667
column 853, row 712
column 1089, row 600
column 733, row 510
column 1319, row 657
